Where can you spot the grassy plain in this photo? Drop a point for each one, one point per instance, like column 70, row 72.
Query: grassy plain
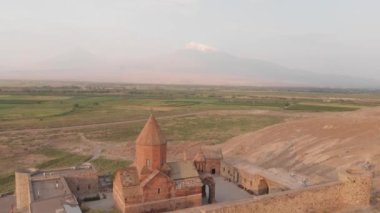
column 108, row 115
column 106, row 166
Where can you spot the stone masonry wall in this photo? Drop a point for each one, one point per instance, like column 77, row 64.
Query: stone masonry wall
column 160, row 187
column 252, row 181
column 165, row 205
column 212, row 164
column 229, row 172
column 155, row 154
column 118, row 195
column 23, row 192
column 353, row 190
column 83, row 186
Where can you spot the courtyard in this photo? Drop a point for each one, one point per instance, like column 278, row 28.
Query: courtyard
column 227, row 191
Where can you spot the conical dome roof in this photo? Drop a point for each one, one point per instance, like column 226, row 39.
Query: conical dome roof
column 151, row 133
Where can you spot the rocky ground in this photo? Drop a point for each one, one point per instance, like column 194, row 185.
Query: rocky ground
column 316, row 146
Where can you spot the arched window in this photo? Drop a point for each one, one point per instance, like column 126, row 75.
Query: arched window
column 158, row 191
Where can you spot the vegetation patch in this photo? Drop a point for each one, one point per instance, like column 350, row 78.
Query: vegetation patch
column 61, row 159
column 7, row 183
column 321, row 108
column 208, row 128
column 108, row 167
column 215, row 128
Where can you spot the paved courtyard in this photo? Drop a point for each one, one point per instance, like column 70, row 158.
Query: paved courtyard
column 7, row 202
column 227, row 191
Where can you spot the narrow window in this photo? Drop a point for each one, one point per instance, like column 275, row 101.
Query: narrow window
column 78, row 188
column 89, row 186
column 158, row 191
column 147, row 162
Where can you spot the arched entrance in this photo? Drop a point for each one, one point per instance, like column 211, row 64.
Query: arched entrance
column 208, row 188
column 263, row 187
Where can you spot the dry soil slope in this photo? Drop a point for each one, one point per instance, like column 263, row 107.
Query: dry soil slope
column 314, row 146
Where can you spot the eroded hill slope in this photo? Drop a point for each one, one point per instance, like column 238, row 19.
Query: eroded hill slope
column 314, row 146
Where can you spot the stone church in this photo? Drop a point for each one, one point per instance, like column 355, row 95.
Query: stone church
column 151, row 184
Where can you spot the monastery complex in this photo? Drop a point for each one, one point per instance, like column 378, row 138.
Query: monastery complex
column 152, row 184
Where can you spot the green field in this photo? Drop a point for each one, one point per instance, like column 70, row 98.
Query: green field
column 107, row 166
column 205, row 114
column 210, row 128
column 58, row 107
column 7, row 182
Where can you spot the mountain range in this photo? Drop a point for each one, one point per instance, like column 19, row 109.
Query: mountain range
column 183, row 66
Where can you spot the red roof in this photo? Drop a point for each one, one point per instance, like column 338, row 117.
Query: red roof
column 151, row 133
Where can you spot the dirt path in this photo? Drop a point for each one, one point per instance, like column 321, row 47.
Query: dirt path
column 223, row 112
column 97, row 149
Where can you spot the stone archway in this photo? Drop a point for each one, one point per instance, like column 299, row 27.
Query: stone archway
column 263, row 187
column 208, row 181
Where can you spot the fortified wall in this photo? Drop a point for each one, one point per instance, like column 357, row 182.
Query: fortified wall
column 353, row 190
column 23, row 190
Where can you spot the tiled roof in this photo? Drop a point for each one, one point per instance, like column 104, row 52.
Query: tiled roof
column 182, row 170
column 212, row 152
column 129, row 176
column 151, row 134
column 149, row 178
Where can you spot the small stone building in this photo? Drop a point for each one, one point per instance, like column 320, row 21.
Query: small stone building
column 208, row 160
column 257, row 180
column 56, row 190
column 151, row 184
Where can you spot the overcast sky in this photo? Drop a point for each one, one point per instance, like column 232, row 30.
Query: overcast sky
column 323, row 36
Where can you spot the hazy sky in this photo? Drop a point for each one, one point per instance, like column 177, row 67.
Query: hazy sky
column 324, row 36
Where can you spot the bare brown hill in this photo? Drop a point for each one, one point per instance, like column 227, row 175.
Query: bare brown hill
column 314, row 146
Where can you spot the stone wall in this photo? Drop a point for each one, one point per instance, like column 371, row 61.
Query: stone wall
column 188, row 186
column 118, row 194
column 130, row 199
column 23, row 191
column 353, row 190
column 160, row 187
column 83, row 186
column 253, row 183
column 166, row 205
column 212, row 164
column 248, row 180
column 156, row 154
column 229, row 172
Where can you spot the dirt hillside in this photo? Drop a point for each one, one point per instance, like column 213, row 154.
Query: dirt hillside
column 314, row 146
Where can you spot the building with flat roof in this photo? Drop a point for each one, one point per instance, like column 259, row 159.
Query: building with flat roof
column 57, row 190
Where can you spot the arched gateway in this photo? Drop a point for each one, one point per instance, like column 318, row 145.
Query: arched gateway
column 208, row 181
column 263, row 187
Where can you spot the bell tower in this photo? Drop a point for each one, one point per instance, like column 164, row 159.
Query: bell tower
column 150, row 147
